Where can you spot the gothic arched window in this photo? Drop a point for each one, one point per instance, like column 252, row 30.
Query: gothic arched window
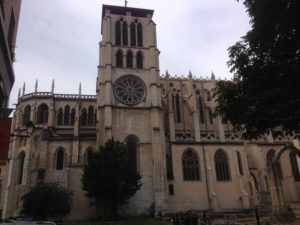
column 84, row 117
column 73, row 114
column 177, row 109
column 26, row 115
column 270, row 156
column 119, row 59
column 67, row 115
column 222, row 166
column 124, row 33
column 60, row 116
column 60, row 159
column 140, row 35
column 295, row 167
column 190, row 165
column 118, row 32
column 136, row 34
column 201, row 110
column 132, row 34
column 129, row 61
column 91, row 116
column 139, row 60
column 240, row 164
column 42, row 114
column 21, row 159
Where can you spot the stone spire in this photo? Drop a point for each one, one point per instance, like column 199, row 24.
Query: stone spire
column 213, row 75
column 36, row 86
column 167, row 73
column 79, row 89
column 19, row 94
column 190, row 74
column 52, row 87
column 23, row 93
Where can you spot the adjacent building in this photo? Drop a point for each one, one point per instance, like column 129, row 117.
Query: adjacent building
column 188, row 159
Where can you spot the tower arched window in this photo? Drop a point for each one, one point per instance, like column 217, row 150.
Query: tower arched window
column 201, row 110
column 91, row 116
column 240, row 164
column 190, row 165
column 271, row 165
column 129, row 59
column 125, row 33
column 119, row 58
column 136, row 34
column 42, row 114
column 26, row 115
column 222, row 166
column 73, row 114
column 67, row 115
column 132, row 146
column 140, row 34
column 139, row 60
column 60, row 159
column 118, row 32
column 121, row 32
column 133, row 34
column 21, row 159
column 60, row 116
column 84, row 117
column 295, row 167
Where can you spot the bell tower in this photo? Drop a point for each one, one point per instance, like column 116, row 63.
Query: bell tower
column 129, row 99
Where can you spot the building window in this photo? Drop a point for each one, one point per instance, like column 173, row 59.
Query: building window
column 84, row 117
column 26, row 115
column 222, row 167
column 119, row 59
column 67, row 115
column 201, row 110
column 60, row 159
column 139, row 60
column 60, row 116
column 171, row 189
column 136, row 34
column 177, row 108
column 294, row 165
column 190, row 165
column 91, row 116
column 21, row 167
column 239, row 160
column 129, row 57
column 42, row 114
column 73, row 114
column 121, row 30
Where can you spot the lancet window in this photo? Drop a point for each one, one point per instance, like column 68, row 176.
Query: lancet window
column 190, row 165
column 222, row 166
column 121, row 32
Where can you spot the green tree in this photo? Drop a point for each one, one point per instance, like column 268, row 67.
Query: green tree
column 110, row 177
column 265, row 93
column 47, row 201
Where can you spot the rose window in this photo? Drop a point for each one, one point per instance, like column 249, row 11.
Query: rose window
column 129, row 90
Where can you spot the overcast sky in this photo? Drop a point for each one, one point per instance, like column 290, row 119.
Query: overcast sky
column 58, row 39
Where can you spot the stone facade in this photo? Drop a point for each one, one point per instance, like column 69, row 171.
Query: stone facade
column 188, row 159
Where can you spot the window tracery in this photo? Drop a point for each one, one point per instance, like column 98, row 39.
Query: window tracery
column 190, row 165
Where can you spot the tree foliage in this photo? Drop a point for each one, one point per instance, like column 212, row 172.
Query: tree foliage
column 47, row 201
column 110, row 177
column 265, row 93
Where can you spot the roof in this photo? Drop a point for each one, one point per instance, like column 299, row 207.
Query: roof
column 121, row 10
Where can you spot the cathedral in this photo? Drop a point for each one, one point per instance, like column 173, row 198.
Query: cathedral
column 187, row 158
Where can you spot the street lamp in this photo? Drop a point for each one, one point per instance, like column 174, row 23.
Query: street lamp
column 29, row 128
